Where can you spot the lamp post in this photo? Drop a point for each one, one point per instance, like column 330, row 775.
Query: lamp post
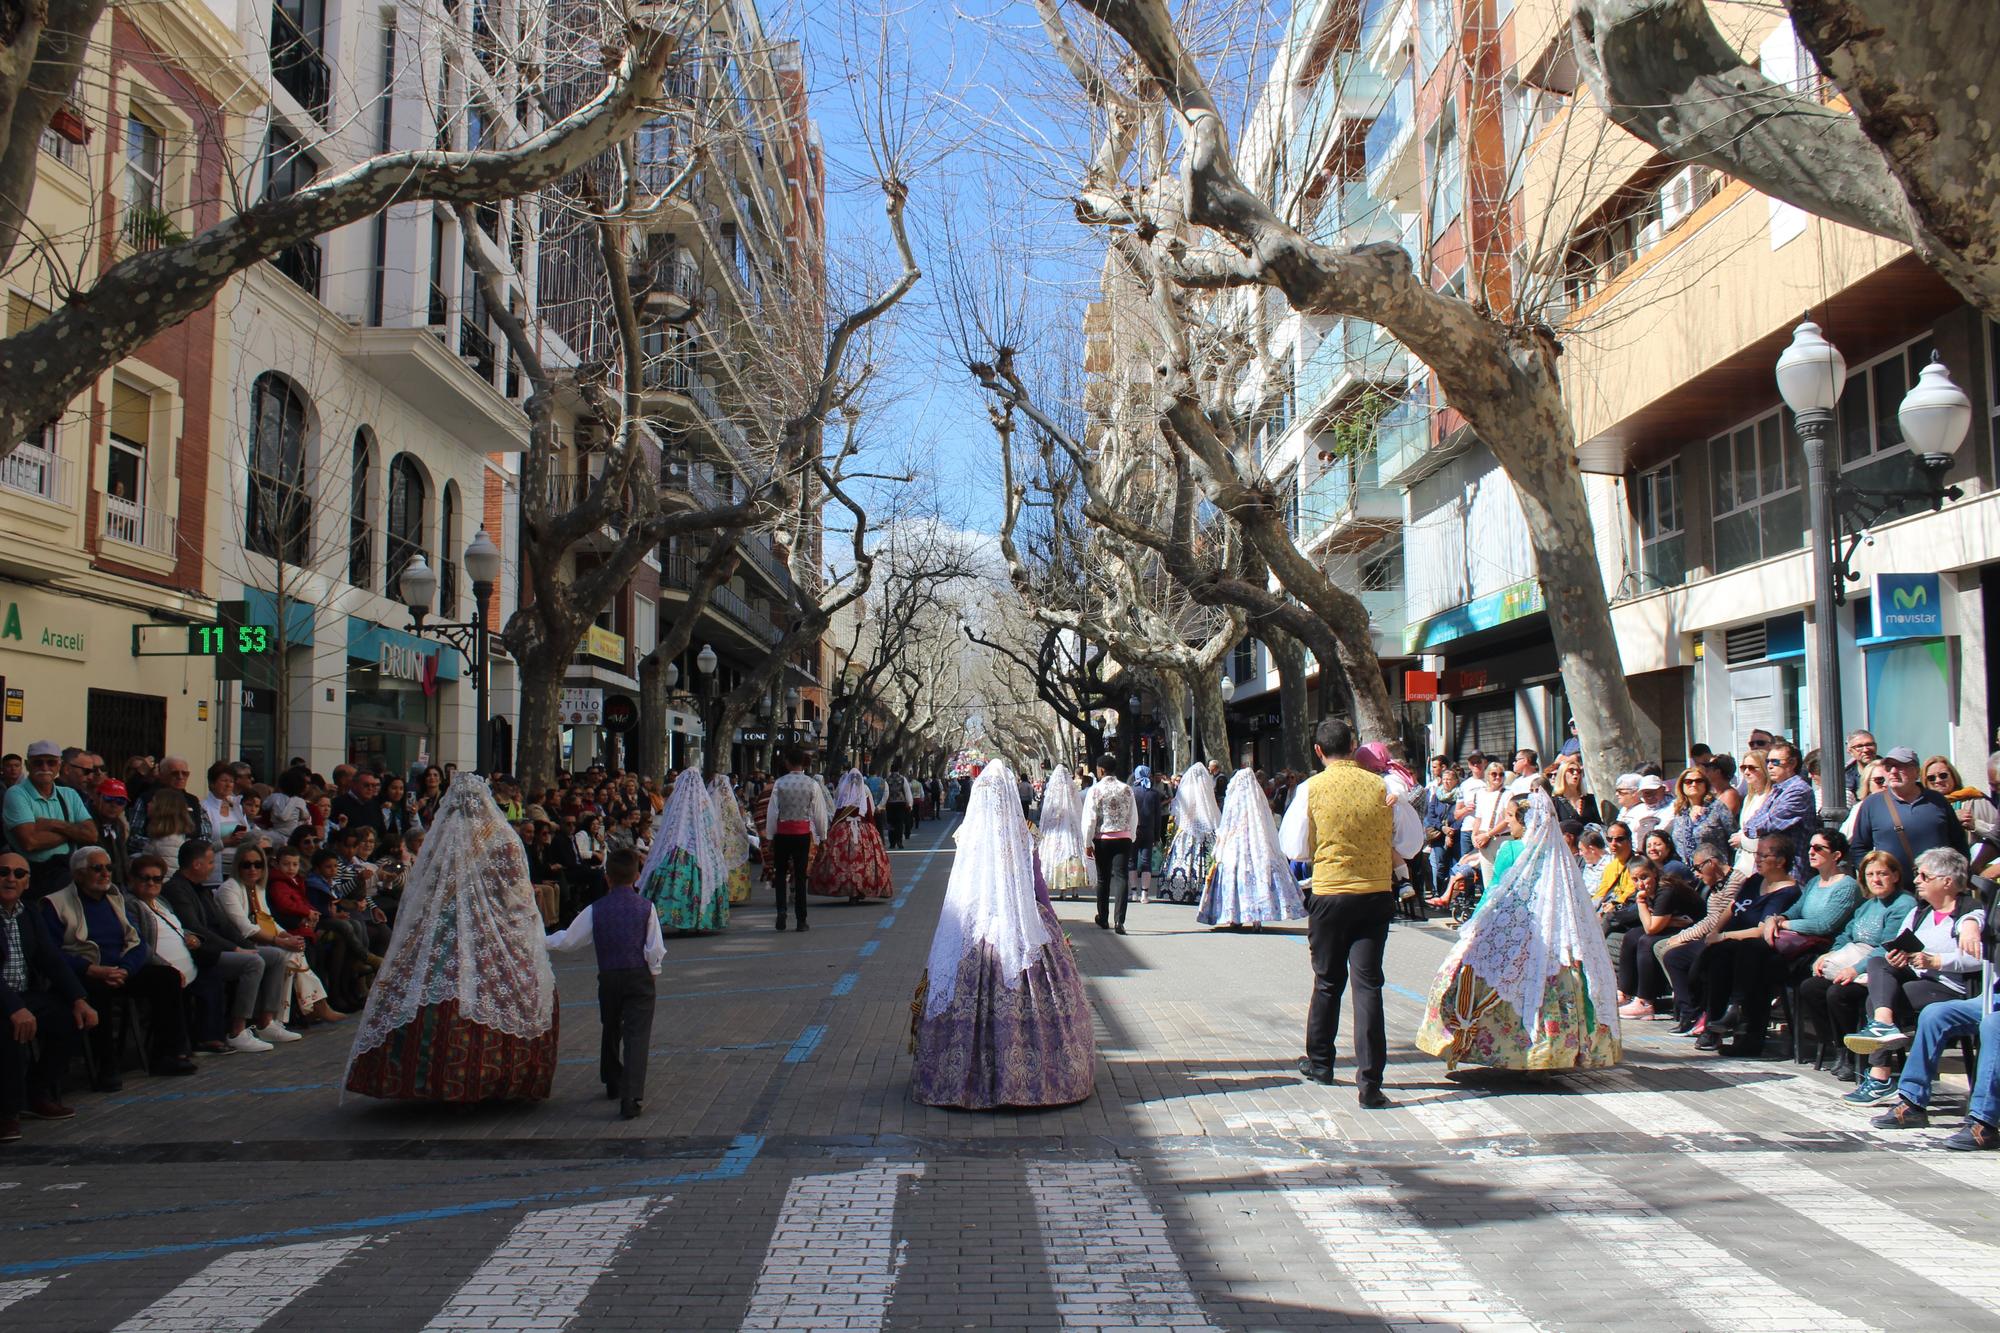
column 706, row 662
column 1934, row 416
column 418, row 587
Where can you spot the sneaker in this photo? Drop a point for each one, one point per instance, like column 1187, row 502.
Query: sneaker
column 245, row 1042
column 1877, row 1036
column 1635, row 1009
column 277, row 1034
column 1872, row 1091
column 43, row 1109
column 10, row 1131
column 1974, row 1136
column 1903, row 1115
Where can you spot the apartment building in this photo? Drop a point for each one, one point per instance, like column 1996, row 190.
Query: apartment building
column 110, row 510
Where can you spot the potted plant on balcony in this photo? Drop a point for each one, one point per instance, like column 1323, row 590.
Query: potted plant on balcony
column 68, row 122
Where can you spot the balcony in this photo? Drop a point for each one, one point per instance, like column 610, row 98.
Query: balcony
column 1351, row 354
column 298, row 66
column 475, row 348
column 667, row 381
column 758, row 550
column 676, row 288
column 1348, row 93
column 567, row 490
column 1388, row 153
column 1346, row 505
column 680, row 573
column 37, row 472
column 1402, row 443
column 138, row 526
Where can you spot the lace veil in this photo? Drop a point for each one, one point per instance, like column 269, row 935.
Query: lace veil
column 688, row 824
column 853, row 790
column 991, row 897
column 732, row 838
column 1194, row 803
column 1062, row 819
column 1247, row 834
column 467, row 929
column 1537, row 919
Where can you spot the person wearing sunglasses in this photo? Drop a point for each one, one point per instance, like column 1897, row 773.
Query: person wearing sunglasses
column 42, row 1003
column 1904, row 818
column 1791, row 809
column 103, row 946
column 1699, row 815
column 1979, row 816
column 45, row 821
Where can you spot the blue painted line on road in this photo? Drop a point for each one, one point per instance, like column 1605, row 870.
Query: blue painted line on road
column 705, row 994
column 868, row 949
column 807, row 1043
column 886, row 922
column 734, row 1162
column 846, row 983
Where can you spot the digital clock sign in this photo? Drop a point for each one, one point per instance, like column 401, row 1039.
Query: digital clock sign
column 226, row 640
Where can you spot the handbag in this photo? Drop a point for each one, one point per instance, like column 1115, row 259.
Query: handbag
column 1791, row 945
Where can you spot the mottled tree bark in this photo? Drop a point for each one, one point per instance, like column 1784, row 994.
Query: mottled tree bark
column 1294, row 726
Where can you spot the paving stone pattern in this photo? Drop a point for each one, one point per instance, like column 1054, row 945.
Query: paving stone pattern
column 780, row 1178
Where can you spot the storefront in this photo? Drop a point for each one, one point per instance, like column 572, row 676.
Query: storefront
column 69, row 673
column 1492, row 668
column 398, row 686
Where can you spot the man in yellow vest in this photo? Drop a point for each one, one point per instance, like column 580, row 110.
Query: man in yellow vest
column 1341, row 821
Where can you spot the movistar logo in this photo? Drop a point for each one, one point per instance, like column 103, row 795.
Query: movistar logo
column 1909, row 598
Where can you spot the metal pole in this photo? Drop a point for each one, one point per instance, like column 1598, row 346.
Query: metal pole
column 483, row 742
column 1814, row 427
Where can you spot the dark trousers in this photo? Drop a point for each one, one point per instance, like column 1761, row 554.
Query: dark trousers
column 34, row 1072
column 154, row 988
column 625, row 1008
column 1114, row 864
column 1901, row 991
column 1640, row 972
column 1680, row 962
column 1828, row 1012
column 791, row 853
column 1346, row 933
column 899, row 823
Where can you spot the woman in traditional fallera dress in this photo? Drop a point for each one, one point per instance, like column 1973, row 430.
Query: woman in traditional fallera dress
column 1000, row 1017
column 1192, row 854
column 464, row 1006
column 1063, row 864
column 1529, row 984
column 732, row 836
column 1252, row 881
column 852, row 863
column 685, row 877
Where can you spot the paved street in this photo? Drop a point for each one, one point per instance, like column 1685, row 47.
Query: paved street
column 781, row 1178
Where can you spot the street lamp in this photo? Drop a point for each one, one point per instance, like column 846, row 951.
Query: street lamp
column 418, row 587
column 1228, row 689
column 1935, row 416
column 706, row 662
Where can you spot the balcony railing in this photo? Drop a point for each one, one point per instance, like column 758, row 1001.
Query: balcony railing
column 35, row 471
column 300, row 262
column 757, row 548
column 1390, row 132
column 476, row 347
column 1402, row 438
column 136, row 525
column 680, row 572
column 298, row 64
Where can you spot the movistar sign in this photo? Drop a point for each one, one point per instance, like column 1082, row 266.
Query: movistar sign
column 1909, row 606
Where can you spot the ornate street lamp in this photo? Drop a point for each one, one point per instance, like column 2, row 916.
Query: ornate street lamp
column 418, row 588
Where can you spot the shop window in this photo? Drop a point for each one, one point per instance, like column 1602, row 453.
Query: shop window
column 1873, row 454
column 1662, row 540
column 280, row 507
column 408, row 494
column 1758, row 474
column 125, row 513
column 360, row 530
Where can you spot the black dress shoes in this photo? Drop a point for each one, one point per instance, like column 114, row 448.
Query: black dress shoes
column 1312, row 1073
column 1373, row 1100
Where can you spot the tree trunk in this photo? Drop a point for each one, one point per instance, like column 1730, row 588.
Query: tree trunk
column 715, row 749
column 1294, row 724
column 650, row 739
column 1173, row 721
column 539, row 743
column 1210, row 723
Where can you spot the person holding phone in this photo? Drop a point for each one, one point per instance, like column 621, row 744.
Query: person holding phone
column 1934, row 958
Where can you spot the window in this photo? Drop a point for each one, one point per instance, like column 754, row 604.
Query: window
column 288, row 168
column 147, row 223
column 407, row 493
column 131, row 429
column 1873, row 454
column 33, row 467
column 1243, row 664
column 1435, row 30
column 1656, row 494
column 1447, row 175
column 298, row 59
column 448, row 548
column 360, row 532
column 1757, row 471
column 280, row 509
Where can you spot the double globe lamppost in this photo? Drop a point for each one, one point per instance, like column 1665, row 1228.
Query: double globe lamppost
column 418, row 588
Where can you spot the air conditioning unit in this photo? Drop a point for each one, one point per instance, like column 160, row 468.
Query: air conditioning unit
column 1678, row 197
column 1649, row 235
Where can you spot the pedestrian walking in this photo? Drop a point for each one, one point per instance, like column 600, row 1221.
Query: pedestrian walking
column 795, row 817
column 1341, row 822
column 624, row 930
column 1110, row 817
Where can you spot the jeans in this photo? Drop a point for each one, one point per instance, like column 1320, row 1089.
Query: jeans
column 1945, row 1022
column 1346, row 934
column 625, row 997
column 790, row 855
column 1114, row 859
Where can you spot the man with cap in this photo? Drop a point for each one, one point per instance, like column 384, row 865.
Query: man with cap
column 46, row 821
column 1905, row 819
column 1656, row 806
column 108, row 803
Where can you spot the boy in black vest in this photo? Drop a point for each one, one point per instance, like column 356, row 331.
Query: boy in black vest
column 626, row 932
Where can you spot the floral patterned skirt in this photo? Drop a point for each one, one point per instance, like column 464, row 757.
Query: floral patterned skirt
column 739, row 885
column 1029, row 1045
column 1073, row 875
column 1467, row 1023
column 441, row 1057
column 1237, row 896
column 851, row 862
column 675, row 892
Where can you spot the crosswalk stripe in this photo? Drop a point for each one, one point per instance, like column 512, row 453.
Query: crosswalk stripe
column 1710, row 1282
column 1106, row 1246
column 242, row 1289
column 541, row 1274
column 1403, row 1270
column 834, row 1258
column 11, row 1292
column 1953, row 1263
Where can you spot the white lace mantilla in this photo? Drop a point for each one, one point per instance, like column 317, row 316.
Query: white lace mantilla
column 991, row 897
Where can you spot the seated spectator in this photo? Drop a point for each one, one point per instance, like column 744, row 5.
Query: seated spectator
column 1666, row 904
column 172, row 942
column 1793, row 938
column 1591, row 851
column 1978, row 815
column 354, row 885
column 1832, row 1000
column 246, row 904
column 1614, row 885
column 114, row 835
column 1666, row 858
column 1681, row 951
column 225, row 958
column 104, row 949
column 1731, row 972
column 43, row 1004
column 1901, row 984
column 346, row 932
column 286, row 811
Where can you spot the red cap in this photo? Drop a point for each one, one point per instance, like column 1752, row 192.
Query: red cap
column 111, row 787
